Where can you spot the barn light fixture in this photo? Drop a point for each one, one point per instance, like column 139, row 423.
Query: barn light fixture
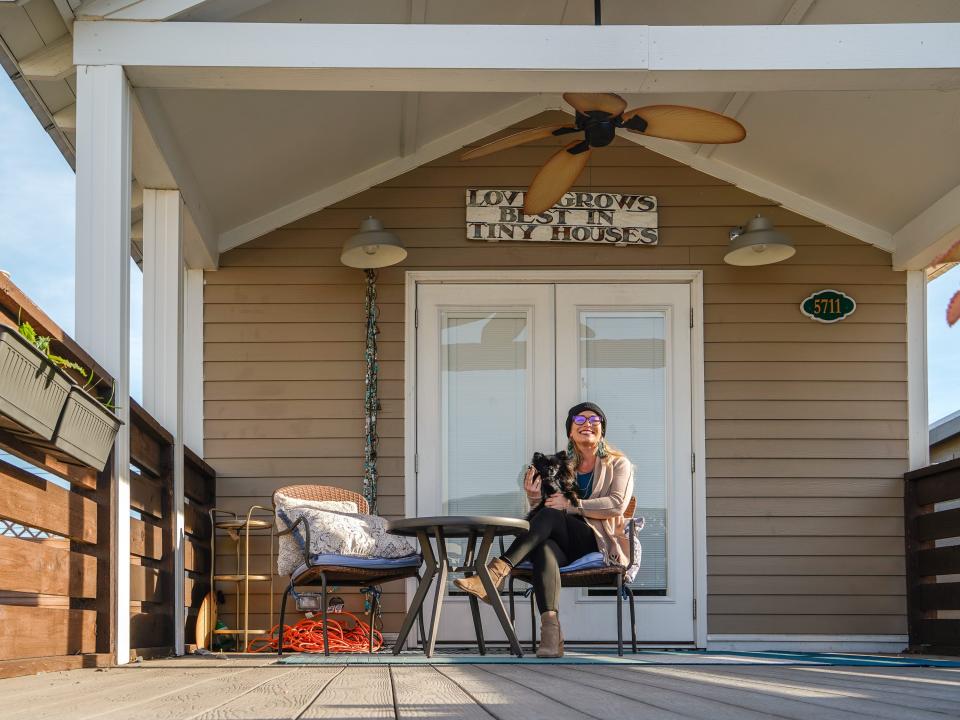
column 372, row 247
column 758, row 244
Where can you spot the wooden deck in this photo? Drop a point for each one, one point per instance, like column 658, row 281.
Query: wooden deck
column 254, row 688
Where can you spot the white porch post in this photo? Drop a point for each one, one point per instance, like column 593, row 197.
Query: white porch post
column 918, row 423
column 163, row 331
column 193, row 361
column 102, row 301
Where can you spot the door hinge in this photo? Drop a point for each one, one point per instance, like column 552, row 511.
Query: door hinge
column 416, row 318
column 694, row 608
column 416, row 463
column 693, row 462
column 691, row 317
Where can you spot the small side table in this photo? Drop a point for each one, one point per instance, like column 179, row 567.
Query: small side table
column 486, row 528
column 238, row 529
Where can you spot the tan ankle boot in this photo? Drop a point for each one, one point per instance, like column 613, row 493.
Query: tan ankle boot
column 551, row 637
column 498, row 569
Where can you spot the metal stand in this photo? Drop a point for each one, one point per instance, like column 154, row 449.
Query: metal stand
column 238, row 529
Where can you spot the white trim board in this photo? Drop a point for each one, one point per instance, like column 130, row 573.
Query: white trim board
column 525, row 58
column 809, row 643
column 693, row 277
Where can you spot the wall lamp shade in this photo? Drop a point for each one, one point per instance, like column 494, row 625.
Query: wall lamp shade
column 372, row 247
column 758, row 244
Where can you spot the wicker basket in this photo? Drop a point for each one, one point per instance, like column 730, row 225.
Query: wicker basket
column 33, row 390
column 86, row 429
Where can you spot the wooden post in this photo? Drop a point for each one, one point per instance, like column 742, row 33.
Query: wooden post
column 103, row 289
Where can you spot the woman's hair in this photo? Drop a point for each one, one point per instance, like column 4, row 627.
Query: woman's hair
column 610, row 453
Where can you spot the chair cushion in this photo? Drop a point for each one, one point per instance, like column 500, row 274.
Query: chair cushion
column 364, row 563
column 587, row 562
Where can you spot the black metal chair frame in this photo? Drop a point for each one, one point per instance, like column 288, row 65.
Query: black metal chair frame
column 342, row 575
column 611, row 576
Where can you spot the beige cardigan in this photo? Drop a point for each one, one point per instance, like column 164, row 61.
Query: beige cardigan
column 603, row 510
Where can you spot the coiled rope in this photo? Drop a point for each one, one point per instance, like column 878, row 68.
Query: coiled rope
column 307, row 636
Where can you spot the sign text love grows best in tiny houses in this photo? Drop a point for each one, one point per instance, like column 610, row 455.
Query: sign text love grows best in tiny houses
column 579, row 217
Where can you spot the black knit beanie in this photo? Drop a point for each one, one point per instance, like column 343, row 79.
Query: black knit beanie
column 578, row 409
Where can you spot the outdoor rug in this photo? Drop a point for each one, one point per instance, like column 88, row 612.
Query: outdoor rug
column 605, row 657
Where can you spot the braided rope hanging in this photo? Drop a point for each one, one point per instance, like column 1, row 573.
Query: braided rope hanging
column 371, row 399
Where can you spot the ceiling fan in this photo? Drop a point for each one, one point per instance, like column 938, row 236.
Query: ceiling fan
column 598, row 115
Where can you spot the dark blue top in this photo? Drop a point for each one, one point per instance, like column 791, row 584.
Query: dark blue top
column 585, row 481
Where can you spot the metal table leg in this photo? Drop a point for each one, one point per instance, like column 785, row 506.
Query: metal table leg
column 481, row 567
column 469, row 562
column 439, row 593
column 421, row 593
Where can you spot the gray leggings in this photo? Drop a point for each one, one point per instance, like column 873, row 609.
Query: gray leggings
column 555, row 539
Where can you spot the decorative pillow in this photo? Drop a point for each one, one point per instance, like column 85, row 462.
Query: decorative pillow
column 336, row 528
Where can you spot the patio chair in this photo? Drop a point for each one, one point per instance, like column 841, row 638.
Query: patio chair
column 589, row 571
column 340, row 570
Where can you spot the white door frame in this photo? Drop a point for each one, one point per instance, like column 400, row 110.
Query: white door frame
column 698, row 432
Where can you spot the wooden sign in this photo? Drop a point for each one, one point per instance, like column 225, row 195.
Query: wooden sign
column 828, row 306
column 580, row 217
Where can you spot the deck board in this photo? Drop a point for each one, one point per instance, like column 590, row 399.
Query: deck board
column 357, row 693
column 423, row 692
column 255, row 688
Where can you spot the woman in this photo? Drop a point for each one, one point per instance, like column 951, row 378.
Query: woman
column 562, row 532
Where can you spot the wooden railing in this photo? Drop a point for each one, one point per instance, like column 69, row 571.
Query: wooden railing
column 58, row 539
column 933, row 597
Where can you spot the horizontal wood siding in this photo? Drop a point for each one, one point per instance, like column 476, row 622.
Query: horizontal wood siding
column 806, row 423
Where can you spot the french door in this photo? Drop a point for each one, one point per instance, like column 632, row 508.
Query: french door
column 497, row 366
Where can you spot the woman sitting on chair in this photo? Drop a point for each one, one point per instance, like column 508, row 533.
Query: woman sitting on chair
column 562, row 532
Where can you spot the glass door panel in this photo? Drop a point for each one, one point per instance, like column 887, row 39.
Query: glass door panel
column 627, row 348
column 622, row 364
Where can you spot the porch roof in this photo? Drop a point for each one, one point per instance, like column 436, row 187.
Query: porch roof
column 875, row 156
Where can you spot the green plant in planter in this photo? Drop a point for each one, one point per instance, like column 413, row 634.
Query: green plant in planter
column 42, row 343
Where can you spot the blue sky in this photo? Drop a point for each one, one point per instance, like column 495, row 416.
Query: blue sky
column 37, row 247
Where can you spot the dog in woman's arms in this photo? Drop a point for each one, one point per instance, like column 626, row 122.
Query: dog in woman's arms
column 555, row 477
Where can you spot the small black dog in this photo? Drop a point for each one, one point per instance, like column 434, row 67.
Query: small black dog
column 555, row 477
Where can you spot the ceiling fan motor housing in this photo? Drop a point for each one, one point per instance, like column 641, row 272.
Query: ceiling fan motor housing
column 600, row 127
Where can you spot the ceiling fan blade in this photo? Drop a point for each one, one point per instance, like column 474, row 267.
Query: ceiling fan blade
column 524, row 136
column 605, row 102
column 689, row 124
column 554, row 179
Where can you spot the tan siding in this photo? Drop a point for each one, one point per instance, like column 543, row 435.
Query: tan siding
column 806, row 423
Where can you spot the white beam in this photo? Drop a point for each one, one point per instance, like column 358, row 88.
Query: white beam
column 929, row 234
column 163, row 332
column 380, row 173
column 757, row 185
column 102, row 299
column 54, row 62
column 918, row 434
column 161, row 164
column 526, row 58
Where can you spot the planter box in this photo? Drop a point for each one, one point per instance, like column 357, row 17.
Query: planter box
column 86, row 429
column 33, row 390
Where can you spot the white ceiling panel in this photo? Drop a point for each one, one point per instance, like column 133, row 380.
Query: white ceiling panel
column 255, row 151
column 880, row 157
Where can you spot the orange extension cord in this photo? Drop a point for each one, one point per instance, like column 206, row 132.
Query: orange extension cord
column 307, row 636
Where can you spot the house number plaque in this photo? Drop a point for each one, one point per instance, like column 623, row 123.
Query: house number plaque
column 828, row 306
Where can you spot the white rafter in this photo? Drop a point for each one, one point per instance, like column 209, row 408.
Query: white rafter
column 929, row 234
column 385, row 171
column 136, row 9
column 54, row 62
column 525, row 58
column 757, row 185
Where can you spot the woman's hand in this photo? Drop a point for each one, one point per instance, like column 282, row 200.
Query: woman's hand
column 531, row 482
column 558, row 502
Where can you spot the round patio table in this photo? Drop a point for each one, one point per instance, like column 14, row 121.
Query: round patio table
column 484, row 527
